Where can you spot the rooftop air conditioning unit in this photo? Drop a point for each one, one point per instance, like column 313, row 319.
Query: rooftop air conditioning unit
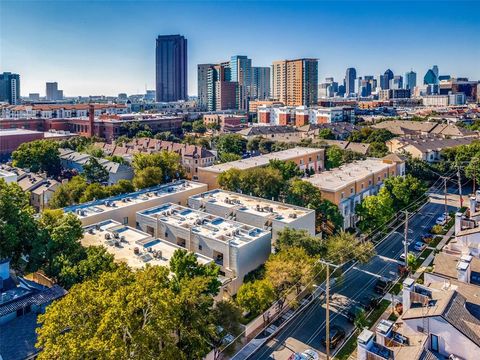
column 107, row 236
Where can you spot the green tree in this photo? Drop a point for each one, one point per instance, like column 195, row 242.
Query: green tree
column 419, row 168
column 377, row 149
column 375, row 211
column 187, row 126
column 62, row 235
column 96, row 261
column 94, row 191
column 288, row 238
column 117, row 159
column 38, row 156
column 254, row 143
column 326, row 134
column 343, row 247
column 289, row 268
column 288, row 169
column 334, row 157
column 228, row 157
column 167, row 162
column 265, row 146
column 256, row 297
column 184, row 265
column 199, row 127
column 18, row 229
column 231, row 180
column 95, row 172
column 68, row 193
column 147, row 177
column 404, row 190
column 230, row 143
column 121, row 187
column 227, row 316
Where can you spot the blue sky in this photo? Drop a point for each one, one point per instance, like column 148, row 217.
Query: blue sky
column 107, row 47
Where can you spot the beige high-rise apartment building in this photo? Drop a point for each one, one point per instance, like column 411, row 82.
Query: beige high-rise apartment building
column 295, row 82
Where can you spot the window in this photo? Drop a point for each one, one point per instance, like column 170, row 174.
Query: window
column 200, row 247
column 378, row 178
column 385, row 175
column 351, row 191
column 125, row 220
column 342, row 195
column 301, row 161
column 434, row 342
column 166, row 234
column 369, row 182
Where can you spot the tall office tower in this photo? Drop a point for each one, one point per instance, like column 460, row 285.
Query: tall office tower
column 241, row 72
column 435, row 70
column 224, row 91
column 52, row 91
column 10, row 88
column 350, row 76
column 204, row 71
column 260, row 83
column 396, row 82
column 385, row 79
column 410, row 80
column 430, row 78
column 171, row 68
column 295, row 82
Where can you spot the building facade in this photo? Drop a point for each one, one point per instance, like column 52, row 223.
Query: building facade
column 260, row 83
column 171, row 68
column 10, row 88
column 295, row 82
column 350, row 76
column 410, row 80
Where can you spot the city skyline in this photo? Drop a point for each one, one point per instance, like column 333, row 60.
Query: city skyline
column 109, row 56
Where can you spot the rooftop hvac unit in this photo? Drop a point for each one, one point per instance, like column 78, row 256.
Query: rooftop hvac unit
column 107, row 236
column 116, row 236
column 123, row 239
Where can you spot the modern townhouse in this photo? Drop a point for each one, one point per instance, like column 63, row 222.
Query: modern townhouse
column 237, row 248
column 269, row 215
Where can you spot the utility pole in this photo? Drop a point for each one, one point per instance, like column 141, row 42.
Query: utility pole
column 327, row 315
column 459, row 186
column 405, row 242
column 446, row 206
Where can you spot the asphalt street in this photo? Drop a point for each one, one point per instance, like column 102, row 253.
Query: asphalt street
column 307, row 329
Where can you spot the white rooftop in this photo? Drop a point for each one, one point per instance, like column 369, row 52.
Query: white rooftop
column 254, row 205
column 210, row 226
column 132, row 246
column 123, row 200
column 338, row 178
column 263, row 160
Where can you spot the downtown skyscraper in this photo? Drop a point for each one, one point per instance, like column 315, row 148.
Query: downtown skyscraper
column 10, row 88
column 171, row 68
column 410, row 80
column 295, row 82
column 350, row 76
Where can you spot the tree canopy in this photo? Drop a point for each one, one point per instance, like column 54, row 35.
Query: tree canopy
column 38, row 156
column 143, row 314
column 95, row 172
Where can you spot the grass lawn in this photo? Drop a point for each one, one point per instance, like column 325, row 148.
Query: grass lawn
column 396, row 289
column 351, row 344
column 435, row 241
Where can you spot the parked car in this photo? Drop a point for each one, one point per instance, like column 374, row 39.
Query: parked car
column 337, row 334
column 426, row 238
column 382, row 285
column 419, row 246
column 442, row 219
column 354, row 311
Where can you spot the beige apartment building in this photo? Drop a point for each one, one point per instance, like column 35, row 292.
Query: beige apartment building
column 123, row 208
column 270, row 215
column 426, row 147
column 347, row 185
column 305, row 158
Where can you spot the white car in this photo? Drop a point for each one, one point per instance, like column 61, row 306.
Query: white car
column 442, row 220
column 419, row 246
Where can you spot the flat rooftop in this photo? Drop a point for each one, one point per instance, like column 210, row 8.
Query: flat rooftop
column 263, row 160
column 10, row 132
column 257, row 206
column 5, row 173
column 124, row 200
column 338, row 178
column 131, row 246
column 210, row 226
